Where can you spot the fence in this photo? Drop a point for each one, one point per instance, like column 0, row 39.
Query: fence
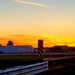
column 26, row 70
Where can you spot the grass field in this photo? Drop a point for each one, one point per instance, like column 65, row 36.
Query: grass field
column 19, row 57
column 16, row 60
column 10, row 60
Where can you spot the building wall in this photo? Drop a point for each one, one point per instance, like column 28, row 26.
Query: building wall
column 16, row 49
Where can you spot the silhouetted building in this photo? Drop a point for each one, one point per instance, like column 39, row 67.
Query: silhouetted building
column 0, row 44
column 59, row 49
column 9, row 43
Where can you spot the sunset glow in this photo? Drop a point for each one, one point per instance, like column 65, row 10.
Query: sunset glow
column 26, row 21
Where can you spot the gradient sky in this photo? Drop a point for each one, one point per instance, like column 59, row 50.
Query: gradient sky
column 50, row 20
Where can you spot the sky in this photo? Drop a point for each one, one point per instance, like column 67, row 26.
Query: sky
column 26, row 21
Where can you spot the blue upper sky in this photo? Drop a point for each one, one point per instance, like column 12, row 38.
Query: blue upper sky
column 51, row 19
column 59, row 14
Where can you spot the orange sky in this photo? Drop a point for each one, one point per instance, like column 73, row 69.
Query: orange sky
column 26, row 21
column 49, row 40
